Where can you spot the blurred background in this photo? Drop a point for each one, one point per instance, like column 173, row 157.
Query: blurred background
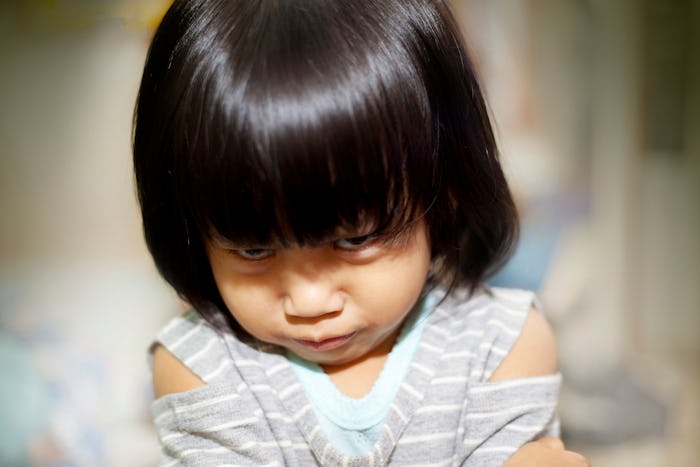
column 597, row 109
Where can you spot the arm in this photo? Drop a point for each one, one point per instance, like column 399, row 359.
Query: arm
column 534, row 354
column 517, row 402
column 205, row 424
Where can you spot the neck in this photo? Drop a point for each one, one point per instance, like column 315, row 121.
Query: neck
column 356, row 379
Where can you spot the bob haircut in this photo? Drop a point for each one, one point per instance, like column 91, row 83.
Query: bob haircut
column 276, row 122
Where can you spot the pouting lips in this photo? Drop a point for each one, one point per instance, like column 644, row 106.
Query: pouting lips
column 326, row 344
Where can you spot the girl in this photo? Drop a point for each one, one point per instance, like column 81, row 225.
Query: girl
column 319, row 179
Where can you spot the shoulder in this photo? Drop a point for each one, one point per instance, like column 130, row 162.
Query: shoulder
column 505, row 333
column 186, row 354
column 534, row 352
column 170, row 375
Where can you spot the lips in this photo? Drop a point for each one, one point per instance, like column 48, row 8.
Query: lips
column 326, row 344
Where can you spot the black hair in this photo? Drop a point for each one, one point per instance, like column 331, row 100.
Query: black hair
column 279, row 121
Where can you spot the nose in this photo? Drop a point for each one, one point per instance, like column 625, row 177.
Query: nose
column 311, row 290
column 309, row 299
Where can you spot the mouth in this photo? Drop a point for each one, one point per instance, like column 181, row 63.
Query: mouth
column 331, row 343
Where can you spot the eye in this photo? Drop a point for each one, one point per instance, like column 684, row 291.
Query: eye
column 253, row 254
column 355, row 243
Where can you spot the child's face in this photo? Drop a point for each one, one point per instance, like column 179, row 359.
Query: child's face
column 332, row 304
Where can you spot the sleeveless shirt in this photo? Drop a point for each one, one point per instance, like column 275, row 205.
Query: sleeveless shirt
column 253, row 410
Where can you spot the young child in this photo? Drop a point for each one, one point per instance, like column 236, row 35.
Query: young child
column 319, row 180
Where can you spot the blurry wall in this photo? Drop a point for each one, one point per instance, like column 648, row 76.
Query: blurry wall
column 79, row 296
column 69, row 80
column 600, row 99
column 597, row 108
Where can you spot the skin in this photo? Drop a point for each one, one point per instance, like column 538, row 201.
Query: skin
column 546, row 452
column 339, row 294
column 346, row 290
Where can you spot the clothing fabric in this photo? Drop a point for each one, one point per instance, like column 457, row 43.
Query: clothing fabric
column 353, row 425
column 254, row 411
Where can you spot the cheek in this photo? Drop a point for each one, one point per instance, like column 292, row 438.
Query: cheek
column 252, row 307
column 393, row 287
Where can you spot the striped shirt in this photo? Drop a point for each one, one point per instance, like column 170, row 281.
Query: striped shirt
column 253, row 411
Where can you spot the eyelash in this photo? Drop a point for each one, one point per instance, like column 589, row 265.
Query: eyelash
column 364, row 242
column 245, row 253
column 260, row 254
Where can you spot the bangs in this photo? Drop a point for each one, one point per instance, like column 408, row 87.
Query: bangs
column 302, row 130
column 294, row 122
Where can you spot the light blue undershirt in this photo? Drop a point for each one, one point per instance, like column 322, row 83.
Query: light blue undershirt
column 353, row 425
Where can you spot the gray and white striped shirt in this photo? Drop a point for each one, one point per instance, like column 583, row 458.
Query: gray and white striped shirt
column 253, row 411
